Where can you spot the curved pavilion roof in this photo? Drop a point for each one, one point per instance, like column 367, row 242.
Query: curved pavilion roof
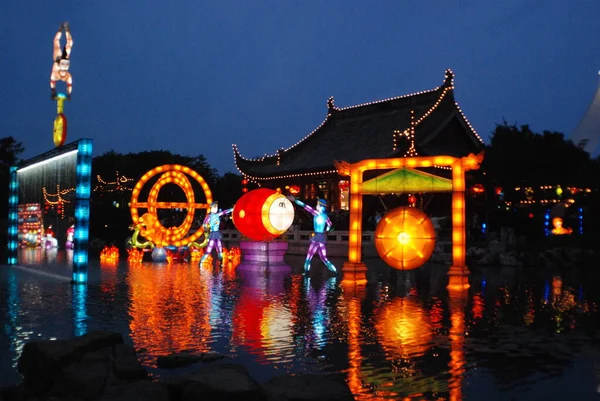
column 373, row 130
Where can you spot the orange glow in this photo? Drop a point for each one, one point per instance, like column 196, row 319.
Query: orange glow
column 405, row 238
column 109, row 255
column 558, row 229
column 478, row 189
column 294, row 189
column 135, row 255
column 478, row 307
column 154, row 230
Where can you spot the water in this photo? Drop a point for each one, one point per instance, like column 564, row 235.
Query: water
column 519, row 334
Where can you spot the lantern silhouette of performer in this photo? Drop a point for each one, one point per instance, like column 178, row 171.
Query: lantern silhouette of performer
column 61, row 61
column 322, row 223
column 212, row 223
column 70, row 235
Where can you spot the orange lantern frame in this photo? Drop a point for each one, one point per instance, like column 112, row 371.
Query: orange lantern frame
column 354, row 269
column 172, row 174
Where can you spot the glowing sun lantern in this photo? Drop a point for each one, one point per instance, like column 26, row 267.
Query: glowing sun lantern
column 405, row 238
column 263, row 214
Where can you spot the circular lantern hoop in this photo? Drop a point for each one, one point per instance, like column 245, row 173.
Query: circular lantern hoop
column 154, row 230
column 405, row 238
column 263, row 214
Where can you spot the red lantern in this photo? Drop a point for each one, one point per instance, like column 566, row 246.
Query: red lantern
column 412, row 199
column 244, row 182
column 294, row 189
column 244, row 190
column 263, row 214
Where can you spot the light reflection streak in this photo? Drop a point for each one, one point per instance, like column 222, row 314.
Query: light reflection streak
column 79, row 309
column 262, row 322
column 170, row 308
column 458, row 298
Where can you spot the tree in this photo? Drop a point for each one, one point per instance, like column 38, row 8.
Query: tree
column 519, row 157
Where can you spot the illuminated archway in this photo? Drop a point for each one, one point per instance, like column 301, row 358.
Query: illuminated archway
column 354, row 269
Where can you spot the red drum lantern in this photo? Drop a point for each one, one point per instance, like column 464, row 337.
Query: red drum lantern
column 263, row 214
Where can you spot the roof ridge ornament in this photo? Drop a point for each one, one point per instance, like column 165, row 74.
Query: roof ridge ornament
column 331, row 106
column 449, row 79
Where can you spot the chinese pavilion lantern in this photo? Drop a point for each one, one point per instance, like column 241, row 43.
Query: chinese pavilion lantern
column 263, row 214
column 405, row 238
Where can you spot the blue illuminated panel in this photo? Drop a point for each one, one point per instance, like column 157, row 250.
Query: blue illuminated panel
column 547, row 228
column 82, row 210
column 13, row 206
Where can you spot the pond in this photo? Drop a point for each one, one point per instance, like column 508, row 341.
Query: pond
column 515, row 334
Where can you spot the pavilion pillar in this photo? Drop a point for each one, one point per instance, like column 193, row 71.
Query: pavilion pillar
column 354, row 270
column 458, row 274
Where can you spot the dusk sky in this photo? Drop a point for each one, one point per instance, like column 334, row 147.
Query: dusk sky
column 193, row 77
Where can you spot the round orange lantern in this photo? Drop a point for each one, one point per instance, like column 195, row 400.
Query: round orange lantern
column 405, row 238
column 263, row 214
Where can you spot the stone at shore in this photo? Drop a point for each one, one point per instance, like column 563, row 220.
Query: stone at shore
column 99, row 367
column 42, row 361
column 137, row 391
column 309, row 387
column 226, row 382
column 186, row 358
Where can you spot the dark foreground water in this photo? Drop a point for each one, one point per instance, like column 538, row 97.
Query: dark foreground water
column 516, row 334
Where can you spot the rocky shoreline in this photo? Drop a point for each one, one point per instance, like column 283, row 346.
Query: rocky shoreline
column 99, row 366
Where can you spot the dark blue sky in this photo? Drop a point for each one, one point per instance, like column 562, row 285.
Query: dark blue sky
column 193, row 77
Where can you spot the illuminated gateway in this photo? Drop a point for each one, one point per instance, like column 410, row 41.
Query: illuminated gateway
column 425, row 123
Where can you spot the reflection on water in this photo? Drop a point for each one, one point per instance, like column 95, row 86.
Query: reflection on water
column 404, row 336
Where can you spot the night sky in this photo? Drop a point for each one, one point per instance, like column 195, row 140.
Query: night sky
column 194, row 77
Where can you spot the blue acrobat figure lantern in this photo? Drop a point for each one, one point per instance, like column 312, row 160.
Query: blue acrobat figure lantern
column 322, row 224
column 211, row 224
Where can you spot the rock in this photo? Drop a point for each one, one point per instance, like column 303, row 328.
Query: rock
column 82, row 380
column 177, row 360
column 309, row 387
column 208, row 357
column 227, row 382
column 186, row 358
column 126, row 365
column 15, row 393
column 140, row 390
column 41, row 361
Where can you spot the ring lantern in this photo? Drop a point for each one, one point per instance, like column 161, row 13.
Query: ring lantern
column 405, row 238
column 263, row 214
